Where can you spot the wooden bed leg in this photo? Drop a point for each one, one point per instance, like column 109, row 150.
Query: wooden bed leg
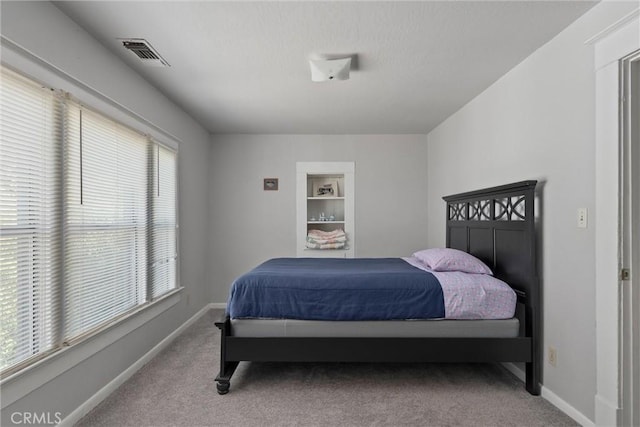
column 224, row 377
column 223, row 387
column 532, row 383
column 533, row 368
column 226, row 368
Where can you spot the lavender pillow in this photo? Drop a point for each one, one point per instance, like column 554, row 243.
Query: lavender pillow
column 447, row 259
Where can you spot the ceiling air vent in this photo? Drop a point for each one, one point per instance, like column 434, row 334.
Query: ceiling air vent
column 145, row 52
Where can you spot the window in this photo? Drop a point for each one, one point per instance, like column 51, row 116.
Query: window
column 30, row 179
column 87, row 221
column 164, row 251
column 105, row 226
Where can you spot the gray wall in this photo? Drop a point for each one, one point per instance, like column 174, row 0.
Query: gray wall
column 250, row 225
column 44, row 31
column 537, row 122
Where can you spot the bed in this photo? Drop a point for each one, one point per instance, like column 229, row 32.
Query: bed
column 494, row 225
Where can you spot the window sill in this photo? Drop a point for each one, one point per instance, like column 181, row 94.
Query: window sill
column 23, row 382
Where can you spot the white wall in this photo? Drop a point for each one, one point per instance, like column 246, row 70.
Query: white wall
column 537, row 122
column 250, row 225
column 41, row 29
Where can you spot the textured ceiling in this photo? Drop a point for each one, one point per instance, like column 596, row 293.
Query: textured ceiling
column 241, row 67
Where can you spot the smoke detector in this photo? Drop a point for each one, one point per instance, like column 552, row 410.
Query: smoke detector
column 144, row 52
column 324, row 70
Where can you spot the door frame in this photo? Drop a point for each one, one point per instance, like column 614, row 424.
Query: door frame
column 630, row 247
column 612, row 45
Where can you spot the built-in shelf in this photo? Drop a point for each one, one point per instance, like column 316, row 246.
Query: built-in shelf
column 325, row 189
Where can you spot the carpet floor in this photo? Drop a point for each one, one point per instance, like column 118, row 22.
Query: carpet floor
column 177, row 388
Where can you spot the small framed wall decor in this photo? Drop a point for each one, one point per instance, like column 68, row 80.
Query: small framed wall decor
column 271, row 184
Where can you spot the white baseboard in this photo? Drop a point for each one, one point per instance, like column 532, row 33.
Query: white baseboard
column 552, row 398
column 561, row 404
column 105, row 391
column 515, row 370
column 607, row 413
column 222, row 305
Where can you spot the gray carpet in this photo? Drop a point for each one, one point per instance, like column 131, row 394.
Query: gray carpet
column 177, row 388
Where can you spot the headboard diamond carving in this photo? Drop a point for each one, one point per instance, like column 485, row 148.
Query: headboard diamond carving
column 457, row 212
column 510, row 208
column 480, row 210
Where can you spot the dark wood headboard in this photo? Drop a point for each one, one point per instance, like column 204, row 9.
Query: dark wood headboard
column 497, row 225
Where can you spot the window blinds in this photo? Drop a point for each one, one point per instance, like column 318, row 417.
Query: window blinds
column 164, row 251
column 106, row 178
column 88, row 221
column 30, row 215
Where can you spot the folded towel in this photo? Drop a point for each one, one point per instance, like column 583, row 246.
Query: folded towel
column 318, row 239
column 325, row 241
column 319, row 234
column 339, row 245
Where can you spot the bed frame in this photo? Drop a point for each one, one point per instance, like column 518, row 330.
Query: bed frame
column 496, row 225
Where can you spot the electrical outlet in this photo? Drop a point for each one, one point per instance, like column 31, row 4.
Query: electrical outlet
column 552, row 356
column 188, row 299
column 582, row 217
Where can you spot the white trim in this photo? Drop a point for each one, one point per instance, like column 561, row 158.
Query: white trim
column 617, row 40
column 515, row 370
column 607, row 239
column 222, row 305
column 614, row 27
column 612, row 44
column 552, row 398
column 629, row 245
column 105, row 391
column 607, row 412
column 33, row 377
column 561, row 404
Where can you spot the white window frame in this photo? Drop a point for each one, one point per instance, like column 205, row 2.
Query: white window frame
column 53, row 364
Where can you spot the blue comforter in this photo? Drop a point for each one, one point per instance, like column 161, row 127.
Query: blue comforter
column 336, row 289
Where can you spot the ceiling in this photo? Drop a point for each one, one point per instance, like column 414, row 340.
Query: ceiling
column 241, row 67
